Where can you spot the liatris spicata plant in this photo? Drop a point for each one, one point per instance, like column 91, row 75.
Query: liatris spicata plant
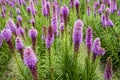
column 19, row 46
column 11, row 26
column 77, row 34
column 65, row 12
column 54, row 21
column 88, row 11
column 33, row 22
column 89, row 39
column 113, row 6
column 3, row 14
column 7, row 36
column 47, row 4
column 18, row 11
column 30, row 60
column 77, row 6
column 28, row 9
column 101, row 9
column 4, row 8
column 119, row 12
column 108, row 69
column 33, row 35
column 44, row 32
column 19, row 19
column 97, row 49
column 49, row 37
column 104, row 21
column 96, row 4
column 32, row 8
column 44, row 11
column 1, row 40
column 72, row 4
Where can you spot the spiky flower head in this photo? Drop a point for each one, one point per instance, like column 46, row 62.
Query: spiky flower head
column 11, row 26
column 33, row 33
column 77, row 34
column 65, row 12
column 18, row 11
column 6, row 34
column 97, row 49
column 30, row 58
column 19, row 44
column 108, row 69
column 50, row 37
column 89, row 39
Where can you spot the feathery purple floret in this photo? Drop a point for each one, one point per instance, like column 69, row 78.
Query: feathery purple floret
column 65, row 12
column 119, row 12
column 33, row 33
column 97, row 49
column 30, row 58
column 18, row 11
column 113, row 6
column 19, row 44
column 89, row 39
column 77, row 4
column 77, row 34
column 19, row 19
column 104, row 21
column 28, row 9
column 108, row 69
column 54, row 21
column 6, row 34
column 20, row 31
column 11, row 26
column 49, row 37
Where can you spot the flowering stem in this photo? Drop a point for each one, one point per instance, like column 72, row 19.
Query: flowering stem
column 50, row 67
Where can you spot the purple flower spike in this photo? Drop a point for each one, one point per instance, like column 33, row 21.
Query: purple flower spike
column 110, row 23
column 30, row 60
column 50, row 37
column 77, row 34
column 19, row 19
column 119, row 12
column 47, row 4
column 77, row 5
column 44, row 11
column 18, row 11
column 96, row 48
column 33, row 35
column 33, row 22
column 104, row 21
column 19, row 46
column 88, row 11
column 113, row 6
column 108, row 69
column 3, row 14
column 89, row 39
column 28, row 9
column 4, row 9
column 7, row 36
column 65, row 12
column 72, row 4
column 1, row 40
column 32, row 8
column 11, row 26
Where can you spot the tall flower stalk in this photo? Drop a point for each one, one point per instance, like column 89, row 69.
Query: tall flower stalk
column 30, row 60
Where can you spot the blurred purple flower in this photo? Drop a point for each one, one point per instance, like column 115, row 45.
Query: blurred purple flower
column 113, row 6
column 77, row 34
column 19, row 19
column 119, row 12
column 33, row 35
column 28, row 9
column 44, row 32
column 62, row 28
column 65, row 12
column 30, row 60
column 88, row 11
column 49, row 37
column 77, row 5
column 18, row 11
column 11, row 26
column 108, row 69
column 110, row 23
column 104, row 21
column 3, row 14
column 72, row 4
column 89, row 39
column 97, row 49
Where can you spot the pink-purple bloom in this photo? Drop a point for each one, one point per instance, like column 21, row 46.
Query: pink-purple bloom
column 119, row 12
column 97, row 49
column 65, row 12
column 18, row 11
column 77, row 5
column 108, row 69
column 49, row 37
column 30, row 60
column 77, row 34
column 19, row 44
column 1, row 40
column 89, row 39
